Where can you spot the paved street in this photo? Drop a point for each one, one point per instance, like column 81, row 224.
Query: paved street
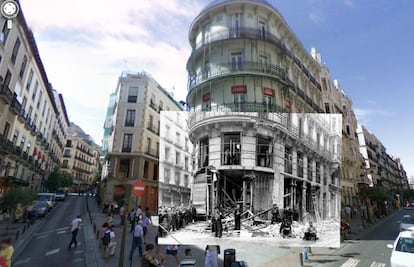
column 47, row 245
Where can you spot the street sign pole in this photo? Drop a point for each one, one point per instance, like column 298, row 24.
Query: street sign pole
column 128, row 204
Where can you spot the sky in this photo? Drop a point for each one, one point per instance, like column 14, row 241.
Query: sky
column 367, row 46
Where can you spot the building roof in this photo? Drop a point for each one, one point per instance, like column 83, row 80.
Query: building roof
column 223, row 2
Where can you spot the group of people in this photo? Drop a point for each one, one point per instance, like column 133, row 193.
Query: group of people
column 175, row 218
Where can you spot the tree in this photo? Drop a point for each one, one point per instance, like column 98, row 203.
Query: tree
column 18, row 195
column 57, row 180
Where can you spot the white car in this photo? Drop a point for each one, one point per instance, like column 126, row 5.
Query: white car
column 407, row 222
column 403, row 250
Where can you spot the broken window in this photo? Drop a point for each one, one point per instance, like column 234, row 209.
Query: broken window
column 264, row 152
column 231, row 149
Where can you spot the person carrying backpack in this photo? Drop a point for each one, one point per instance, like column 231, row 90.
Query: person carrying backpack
column 102, row 231
column 109, row 242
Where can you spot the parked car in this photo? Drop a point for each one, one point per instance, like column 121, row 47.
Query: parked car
column 60, row 195
column 402, row 254
column 41, row 208
column 49, row 197
column 407, row 222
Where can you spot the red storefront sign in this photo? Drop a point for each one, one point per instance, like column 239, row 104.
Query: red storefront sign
column 206, row 97
column 239, row 89
column 287, row 103
column 268, row 91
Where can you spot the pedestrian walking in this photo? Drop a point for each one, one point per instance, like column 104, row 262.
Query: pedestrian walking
column 7, row 251
column 147, row 259
column 73, row 229
column 145, row 223
column 132, row 220
column 122, row 215
column 211, row 256
column 109, row 250
column 137, row 240
column 173, row 251
column 102, row 231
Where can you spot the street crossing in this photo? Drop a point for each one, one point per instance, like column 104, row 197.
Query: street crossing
column 353, row 262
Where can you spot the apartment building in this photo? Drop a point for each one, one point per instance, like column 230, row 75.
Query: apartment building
column 382, row 169
column 175, row 160
column 80, row 159
column 133, row 146
column 245, row 58
column 336, row 101
column 28, row 112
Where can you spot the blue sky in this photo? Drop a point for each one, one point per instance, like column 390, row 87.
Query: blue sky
column 366, row 44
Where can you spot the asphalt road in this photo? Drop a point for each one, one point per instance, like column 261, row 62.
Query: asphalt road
column 49, row 246
column 370, row 250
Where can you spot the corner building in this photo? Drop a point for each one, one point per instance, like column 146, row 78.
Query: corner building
column 248, row 71
column 133, row 138
column 245, row 58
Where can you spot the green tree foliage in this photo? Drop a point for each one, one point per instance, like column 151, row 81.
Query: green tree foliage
column 18, row 195
column 57, row 180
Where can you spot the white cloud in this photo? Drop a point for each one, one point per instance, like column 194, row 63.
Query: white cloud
column 85, row 45
column 364, row 115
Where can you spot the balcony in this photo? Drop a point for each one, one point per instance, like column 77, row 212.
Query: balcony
column 245, row 107
column 6, row 94
column 16, row 106
column 153, row 106
column 224, row 69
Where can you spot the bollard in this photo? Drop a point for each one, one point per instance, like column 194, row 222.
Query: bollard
column 97, row 234
column 301, row 259
column 17, row 234
column 24, row 228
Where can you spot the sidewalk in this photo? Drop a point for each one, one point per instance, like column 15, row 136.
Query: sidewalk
column 20, row 234
column 320, row 255
column 95, row 253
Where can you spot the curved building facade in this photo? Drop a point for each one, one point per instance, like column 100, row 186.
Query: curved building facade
column 246, row 58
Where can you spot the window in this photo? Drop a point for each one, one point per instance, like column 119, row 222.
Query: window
column 186, row 161
column 130, row 118
column 132, row 94
column 161, row 106
column 15, row 51
column 167, row 175
column 231, row 149
column 236, row 61
column 155, row 172
column 235, row 25
column 148, row 145
column 262, row 30
column 44, row 109
column 150, row 119
column 146, row 169
column 7, row 79
column 127, row 143
column 152, row 101
column 23, row 67
column 327, row 109
column 288, row 160
column 264, row 152
column 167, row 154
column 35, row 90
column 177, row 178
column 177, row 138
column 299, row 164
column 186, row 180
column 186, row 144
column 4, row 33
column 29, row 80
column 39, row 100
column 177, row 158
column 318, row 172
column 124, row 168
column 203, row 162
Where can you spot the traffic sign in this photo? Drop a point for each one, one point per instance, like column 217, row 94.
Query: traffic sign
column 138, row 188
